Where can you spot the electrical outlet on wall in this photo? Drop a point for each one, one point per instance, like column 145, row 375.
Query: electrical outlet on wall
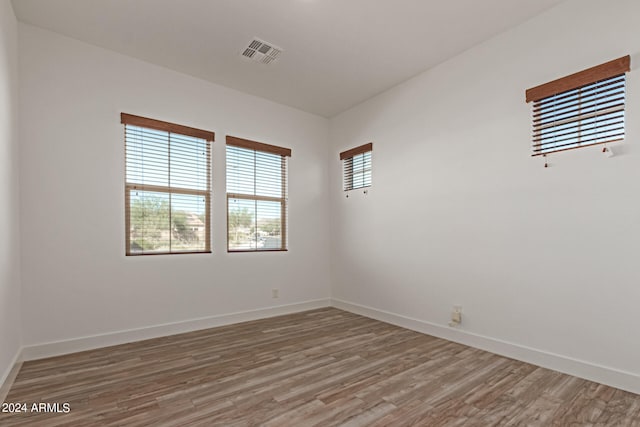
column 275, row 293
column 456, row 315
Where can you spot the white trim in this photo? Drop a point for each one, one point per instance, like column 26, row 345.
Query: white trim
column 579, row 368
column 57, row 348
column 6, row 381
column 602, row 374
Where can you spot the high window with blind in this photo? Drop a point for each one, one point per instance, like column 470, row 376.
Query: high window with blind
column 585, row 108
column 167, row 187
column 256, row 196
column 356, row 167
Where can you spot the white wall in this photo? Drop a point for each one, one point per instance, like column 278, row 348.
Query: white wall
column 459, row 213
column 542, row 260
column 10, row 328
column 77, row 280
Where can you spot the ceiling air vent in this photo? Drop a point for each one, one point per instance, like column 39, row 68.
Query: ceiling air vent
column 261, row 51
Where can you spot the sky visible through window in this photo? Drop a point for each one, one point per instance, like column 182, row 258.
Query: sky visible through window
column 357, row 171
column 591, row 114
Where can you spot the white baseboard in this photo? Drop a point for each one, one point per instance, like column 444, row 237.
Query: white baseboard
column 602, row 374
column 605, row 375
column 57, row 348
column 6, row 381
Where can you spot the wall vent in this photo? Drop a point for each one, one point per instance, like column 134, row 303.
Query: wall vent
column 261, row 51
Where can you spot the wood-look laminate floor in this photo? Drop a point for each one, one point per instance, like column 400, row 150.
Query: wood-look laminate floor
column 323, row 367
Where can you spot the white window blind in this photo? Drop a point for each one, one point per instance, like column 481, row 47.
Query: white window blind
column 356, row 167
column 167, row 187
column 256, row 196
column 583, row 109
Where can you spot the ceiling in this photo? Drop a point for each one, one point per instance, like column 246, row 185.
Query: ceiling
column 337, row 53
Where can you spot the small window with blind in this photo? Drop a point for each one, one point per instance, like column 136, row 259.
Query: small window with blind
column 256, row 196
column 167, row 187
column 356, row 167
column 585, row 108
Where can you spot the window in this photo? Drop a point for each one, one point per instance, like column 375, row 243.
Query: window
column 167, row 187
column 356, row 167
column 585, row 108
column 256, row 196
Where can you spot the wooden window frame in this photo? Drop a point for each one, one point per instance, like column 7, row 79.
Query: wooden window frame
column 133, row 120
column 130, row 119
column 272, row 149
column 575, row 81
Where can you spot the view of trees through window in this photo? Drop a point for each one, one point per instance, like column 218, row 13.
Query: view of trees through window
column 167, row 191
column 253, row 228
column 256, row 200
column 156, row 227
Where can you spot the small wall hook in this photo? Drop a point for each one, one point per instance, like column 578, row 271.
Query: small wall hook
column 608, row 152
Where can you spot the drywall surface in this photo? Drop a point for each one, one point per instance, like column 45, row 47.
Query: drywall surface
column 460, row 213
column 10, row 317
column 77, row 280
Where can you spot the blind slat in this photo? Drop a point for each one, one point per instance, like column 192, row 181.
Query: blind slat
column 578, row 109
column 587, row 130
column 588, row 90
column 589, row 141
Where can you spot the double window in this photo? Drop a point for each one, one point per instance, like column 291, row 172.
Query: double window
column 167, row 187
column 356, row 167
column 582, row 109
column 168, row 190
column 256, row 196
